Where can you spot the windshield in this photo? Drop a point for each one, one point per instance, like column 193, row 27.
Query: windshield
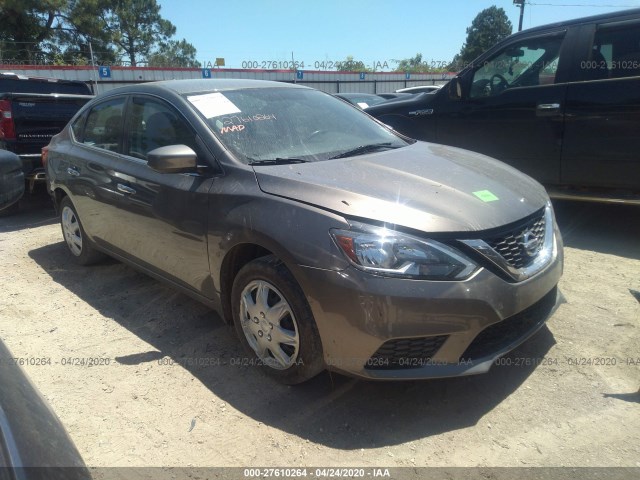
column 280, row 124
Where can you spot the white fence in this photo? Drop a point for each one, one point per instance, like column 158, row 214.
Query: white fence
column 105, row 78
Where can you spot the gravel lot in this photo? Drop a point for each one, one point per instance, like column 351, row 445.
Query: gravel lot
column 167, row 390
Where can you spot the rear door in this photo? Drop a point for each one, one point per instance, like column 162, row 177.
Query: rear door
column 603, row 108
column 89, row 166
column 512, row 106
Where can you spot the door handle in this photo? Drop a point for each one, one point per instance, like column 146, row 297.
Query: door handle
column 125, row 189
column 73, row 172
column 549, row 106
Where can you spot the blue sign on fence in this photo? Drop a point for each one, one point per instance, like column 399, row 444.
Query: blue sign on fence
column 206, row 73
column 105, row 71
column 407, row 76
column 299, row 75
column 362, row 75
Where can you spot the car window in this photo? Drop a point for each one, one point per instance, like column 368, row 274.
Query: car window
column 282, row 123
column 43, row 86
column 77, row 127
column 615, row 53
column 531, row 62
column 103, row 127
column 155, row 124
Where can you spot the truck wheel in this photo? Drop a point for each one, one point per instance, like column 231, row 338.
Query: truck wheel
column 77, row 241
column 274, row 322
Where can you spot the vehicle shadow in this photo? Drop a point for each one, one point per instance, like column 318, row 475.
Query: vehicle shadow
column 331, row 409
column 604, row 228
column 34, row 210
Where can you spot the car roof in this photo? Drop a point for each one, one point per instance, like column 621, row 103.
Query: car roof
column 184, row 87
column 577, row 21
column 356, row 94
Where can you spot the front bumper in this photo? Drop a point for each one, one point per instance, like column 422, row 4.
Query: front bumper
column 390, row 328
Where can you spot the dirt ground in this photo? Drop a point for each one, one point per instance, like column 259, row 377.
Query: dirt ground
column 165, row 388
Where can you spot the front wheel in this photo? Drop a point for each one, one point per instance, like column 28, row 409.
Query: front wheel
column 79, row 245
column 274, row 322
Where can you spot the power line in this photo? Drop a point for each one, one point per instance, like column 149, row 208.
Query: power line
column 580, row 5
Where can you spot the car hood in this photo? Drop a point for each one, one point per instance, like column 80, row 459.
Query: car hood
column 424, row 186
column 416, row 102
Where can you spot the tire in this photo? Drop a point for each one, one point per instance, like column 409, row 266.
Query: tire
column 12, row 209
column 75, row 237
column 258, row 287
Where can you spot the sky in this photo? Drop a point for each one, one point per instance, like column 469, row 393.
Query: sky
column 254, row 32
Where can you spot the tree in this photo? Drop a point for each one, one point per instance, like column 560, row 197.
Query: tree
column 489, row 27
column 136, row 26
column 174, row 54
column 413, row 64
column 61, row 31
column 26, row 24
column 85, row 24
column 351, row 65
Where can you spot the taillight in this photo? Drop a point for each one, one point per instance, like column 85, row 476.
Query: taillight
column 44, row 154
column 7, row 127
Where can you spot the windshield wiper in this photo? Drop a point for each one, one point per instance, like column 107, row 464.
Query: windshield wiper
column 363, row 149
column 277, row 161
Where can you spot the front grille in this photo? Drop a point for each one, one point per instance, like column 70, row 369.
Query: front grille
column 521, row 246
column 499, row 335
column 405, row 353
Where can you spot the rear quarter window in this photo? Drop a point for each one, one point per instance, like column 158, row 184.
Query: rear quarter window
column 103, row 126
column 615, row 52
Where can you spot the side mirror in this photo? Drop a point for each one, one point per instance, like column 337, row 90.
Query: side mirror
column 455, row 89
column 172, row 159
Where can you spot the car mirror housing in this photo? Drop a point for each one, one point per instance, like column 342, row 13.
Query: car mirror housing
column 172, row 159
column 455, row 89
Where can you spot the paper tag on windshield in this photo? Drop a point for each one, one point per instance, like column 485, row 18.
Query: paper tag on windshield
column 213, row 104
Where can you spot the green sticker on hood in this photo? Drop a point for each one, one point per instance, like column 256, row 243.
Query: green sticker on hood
column 486, row 196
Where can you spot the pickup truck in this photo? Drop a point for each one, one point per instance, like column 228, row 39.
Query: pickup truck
column 559, row 102
column 32, row 110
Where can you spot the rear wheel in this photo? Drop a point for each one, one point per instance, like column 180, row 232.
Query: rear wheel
column 274, row 321
column 79, row 245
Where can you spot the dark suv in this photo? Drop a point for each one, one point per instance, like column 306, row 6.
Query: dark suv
column 560, row 102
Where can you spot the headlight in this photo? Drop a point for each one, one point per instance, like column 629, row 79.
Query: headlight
column 390, row 253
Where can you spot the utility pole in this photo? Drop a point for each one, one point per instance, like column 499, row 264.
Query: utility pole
column 93, row 64
column 520, row 3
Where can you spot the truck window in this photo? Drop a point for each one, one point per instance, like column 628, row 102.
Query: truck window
column 529, row 63
column 14, row 85
column 615, row 53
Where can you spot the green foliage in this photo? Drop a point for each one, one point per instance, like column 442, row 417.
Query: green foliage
column 60, row 31
column 412, row 65
column 174, row 54
column 418, row 65
column 85, row 24
column 136, row 26
column 351, row 65
column 25, row 24
column 489, row 27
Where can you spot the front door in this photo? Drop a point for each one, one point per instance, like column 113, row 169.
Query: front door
column 163, row 216
column 512, row 107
